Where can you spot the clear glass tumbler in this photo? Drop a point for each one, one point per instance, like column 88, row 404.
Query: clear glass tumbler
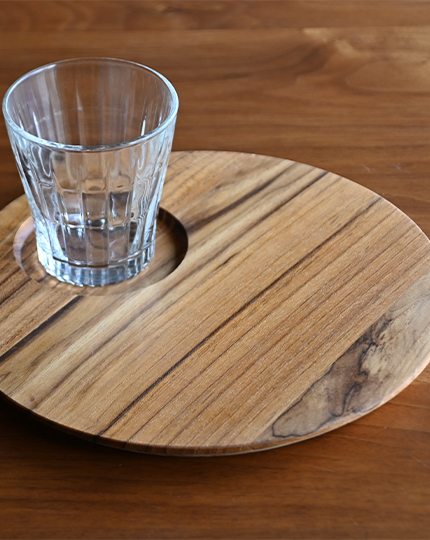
column 92, row 139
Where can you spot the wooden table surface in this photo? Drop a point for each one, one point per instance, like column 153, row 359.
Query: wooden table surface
column 342, row 85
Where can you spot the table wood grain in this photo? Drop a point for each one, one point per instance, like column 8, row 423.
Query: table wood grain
column 339, row 85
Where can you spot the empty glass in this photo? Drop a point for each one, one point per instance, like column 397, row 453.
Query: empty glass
column 92, row 139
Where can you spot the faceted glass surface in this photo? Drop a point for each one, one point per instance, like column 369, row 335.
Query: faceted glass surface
column 92, row 139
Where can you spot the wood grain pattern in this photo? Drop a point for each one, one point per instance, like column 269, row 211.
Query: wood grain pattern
column 301, row 304
column 342, row 85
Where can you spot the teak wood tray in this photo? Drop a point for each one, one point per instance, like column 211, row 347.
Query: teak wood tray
column 283, row 301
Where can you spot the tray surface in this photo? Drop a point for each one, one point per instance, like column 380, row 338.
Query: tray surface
column 283, row 301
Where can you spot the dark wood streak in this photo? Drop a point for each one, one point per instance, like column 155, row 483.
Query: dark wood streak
column 149, row 305
column 234, row 315
column 219, row 252
column 42, row 326
column 362, row 371
column 164, row 216
column 276, row 342
column 216, row 254
column 198, row 224
column 22, row 280
column 280, row 205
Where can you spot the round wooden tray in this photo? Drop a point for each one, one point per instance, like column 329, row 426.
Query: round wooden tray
column 289, row 302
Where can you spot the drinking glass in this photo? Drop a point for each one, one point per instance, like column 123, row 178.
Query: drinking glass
column 92, row 139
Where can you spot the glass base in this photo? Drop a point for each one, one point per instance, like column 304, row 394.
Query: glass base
column 95, row 276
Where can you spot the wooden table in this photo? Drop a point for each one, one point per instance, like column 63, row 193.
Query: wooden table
column 344, row 86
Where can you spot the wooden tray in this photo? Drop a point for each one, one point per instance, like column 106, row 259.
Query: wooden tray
column 289, row 302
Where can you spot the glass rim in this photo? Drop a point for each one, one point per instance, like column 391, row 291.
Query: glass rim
column 96, row 148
